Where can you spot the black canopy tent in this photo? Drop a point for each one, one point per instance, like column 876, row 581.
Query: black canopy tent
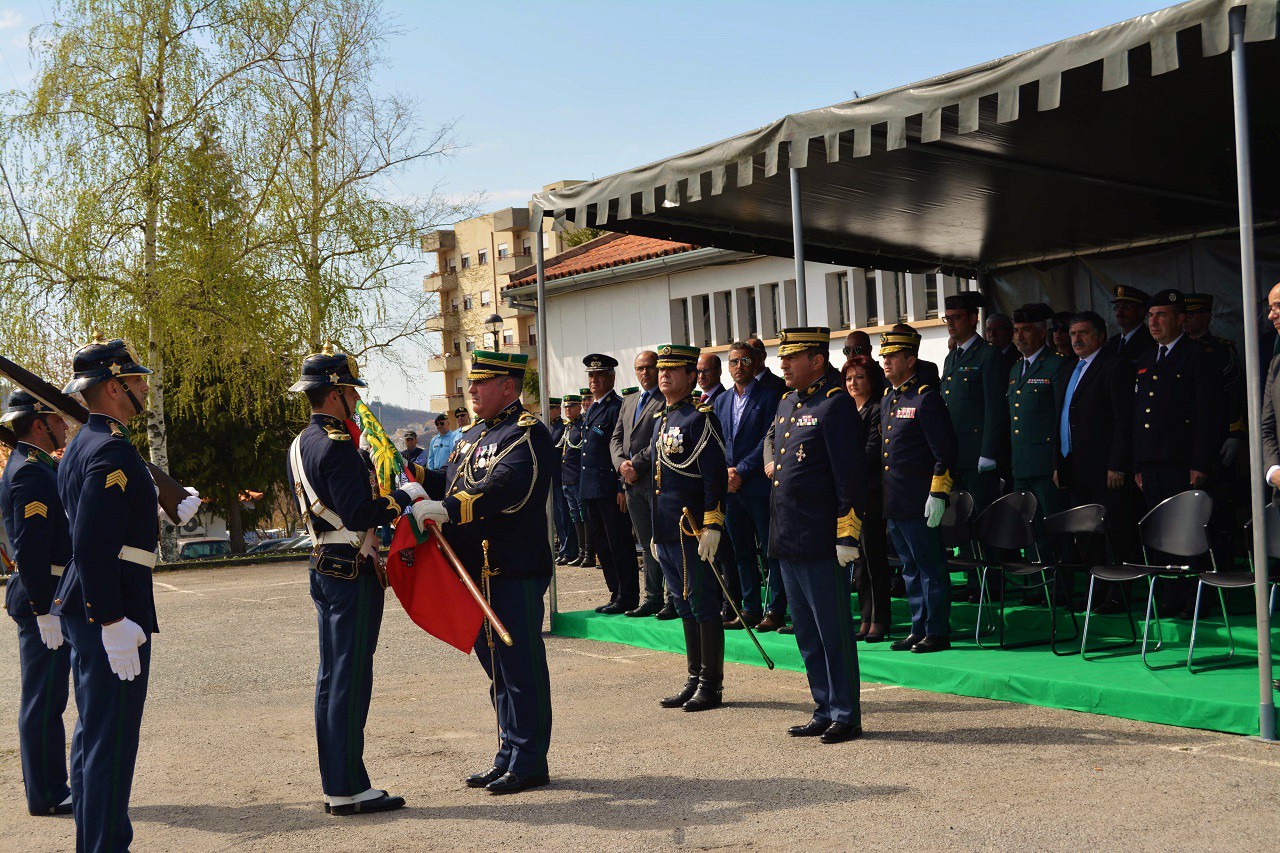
column 1125, row 136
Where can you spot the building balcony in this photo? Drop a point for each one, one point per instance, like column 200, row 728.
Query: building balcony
column 511, row 219
column 439, row 282
column 447, row 403
column 442, row 363
column 511, row 263
column 440, row 241
column 506, row 312
column 446, row 321
column 525, row 348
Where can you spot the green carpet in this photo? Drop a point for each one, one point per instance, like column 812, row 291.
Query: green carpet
column 1112, row 683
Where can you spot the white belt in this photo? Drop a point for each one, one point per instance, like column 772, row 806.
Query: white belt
column 338, row 537
column 139, row 556
column 57, row 571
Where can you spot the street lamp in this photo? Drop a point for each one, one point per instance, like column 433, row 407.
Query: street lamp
column 495, row 325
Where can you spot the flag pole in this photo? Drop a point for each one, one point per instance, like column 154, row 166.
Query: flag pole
column 461, row 572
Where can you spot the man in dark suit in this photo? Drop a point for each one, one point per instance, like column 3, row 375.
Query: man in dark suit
column 1270, row 433
column 998, row 331
column 709, row 372
column 1130, row 305
column 632, row 451
column 601, row 490
column 763, row 373
column 744, row 412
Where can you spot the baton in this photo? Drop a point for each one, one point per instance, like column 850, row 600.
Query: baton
column 768, row 661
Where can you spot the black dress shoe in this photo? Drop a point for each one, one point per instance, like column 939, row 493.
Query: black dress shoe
column 874, row 638
column 383, row 803
column 667, row 612
column 608, row 603
column 484, row 777
column 648, row 608
column 905, row 643
column 65, row 808
column 813, row 728
column 787, row 630
column 932, row 644
column 511, row 783
column 612, row 609
column 841, row 732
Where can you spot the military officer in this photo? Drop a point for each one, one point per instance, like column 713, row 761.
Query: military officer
column 41, row 538
column 105, row 595
column 1130, row 306
column 919, row 454
column 566, row 536
column 602, row 492
column 819, row 487
column 689, row 480
column 494, row 513
column 570, row 445
column 341, row 507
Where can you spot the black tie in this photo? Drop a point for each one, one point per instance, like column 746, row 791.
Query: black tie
column 1164, row 350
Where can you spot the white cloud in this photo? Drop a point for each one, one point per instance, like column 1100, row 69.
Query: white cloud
column 10, row 19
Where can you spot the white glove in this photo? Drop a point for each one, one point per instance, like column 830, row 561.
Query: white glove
column 846, row 554
column 187, row 508
column 424, row 511
column 653, row 549
column 985, row 464
column 50, row 630
column 121, row 640
column 708, row 544
column 414, row 491
column 933, row 510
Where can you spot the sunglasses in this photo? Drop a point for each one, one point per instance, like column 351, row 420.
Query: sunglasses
column 734, row 362
column 854, row 350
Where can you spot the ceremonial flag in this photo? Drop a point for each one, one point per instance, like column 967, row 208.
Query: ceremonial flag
column 427, row 586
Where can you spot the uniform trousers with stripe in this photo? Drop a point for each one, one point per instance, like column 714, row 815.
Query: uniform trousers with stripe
column 104, row 746
column 822, row 616
column 694, row 593
column 520, row 686
column 349, row 617
column 42, row 739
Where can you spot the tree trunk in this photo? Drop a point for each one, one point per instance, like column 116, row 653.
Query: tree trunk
column 235, row 523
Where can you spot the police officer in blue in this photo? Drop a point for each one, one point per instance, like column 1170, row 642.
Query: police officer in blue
column 570, row 446
column 492, row 507
column 566, row 536
column 336, row 492
column 105, row 597
column 919, row 454
column 819, row 489
column 689, row 478
column 603, row 498
column 41, row 540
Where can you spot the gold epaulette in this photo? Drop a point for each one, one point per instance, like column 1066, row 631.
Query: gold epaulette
column 834, row 391
column 706, row 408
column 526, row 420
column 118, row 431
column 336, row 434
column 886, row 392
column 921, row 388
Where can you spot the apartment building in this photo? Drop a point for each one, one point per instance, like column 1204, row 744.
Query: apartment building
column 473, row 261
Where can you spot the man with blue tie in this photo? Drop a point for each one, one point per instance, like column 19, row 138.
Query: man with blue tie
column 745, row 412
column 632, row 448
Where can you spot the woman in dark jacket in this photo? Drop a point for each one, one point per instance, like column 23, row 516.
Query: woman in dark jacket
column 865, row 382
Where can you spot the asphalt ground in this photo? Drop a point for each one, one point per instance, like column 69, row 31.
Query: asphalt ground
column 227, row 759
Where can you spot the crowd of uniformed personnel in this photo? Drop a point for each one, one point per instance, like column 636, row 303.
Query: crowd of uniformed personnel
column 751, row 505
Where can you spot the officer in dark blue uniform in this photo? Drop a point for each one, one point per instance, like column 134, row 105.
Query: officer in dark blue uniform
column 602, row 492
column 565, row 534
column 690, row 479
column 570, row 446
column 494, row 514
column 919, row 454
column 819, row 491
column 335, row 488
column 105, row 596
column 41, row 540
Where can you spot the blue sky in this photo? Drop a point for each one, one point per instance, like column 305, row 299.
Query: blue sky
column 545, row 91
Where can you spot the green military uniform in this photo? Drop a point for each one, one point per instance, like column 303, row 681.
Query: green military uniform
column 973, row 388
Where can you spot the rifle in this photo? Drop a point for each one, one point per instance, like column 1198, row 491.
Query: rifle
column 171, row 491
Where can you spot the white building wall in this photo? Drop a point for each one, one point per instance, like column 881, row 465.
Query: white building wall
column 621, row 319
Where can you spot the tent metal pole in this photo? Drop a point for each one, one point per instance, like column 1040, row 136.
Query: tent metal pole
column 1253, row 373
column 544, row 395
column 797, row 242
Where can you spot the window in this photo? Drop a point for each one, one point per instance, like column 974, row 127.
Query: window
column 753, row 316
column 932, row 285
column 702, row 305
column 899, row 281
column 485, row 297
column 526, row 246
column 453, row 306
column 873, row 301
column 680, row 321
column 457, row 386
column 453, row 265
column 533, row 334
column 466, row 262
column 503, row 251
column 842, row 301
column 482, row 257
column 467, row 304
column 546, row 239
column 508, row 337
column 471, row 344
column 457, row 348
column 773, row 309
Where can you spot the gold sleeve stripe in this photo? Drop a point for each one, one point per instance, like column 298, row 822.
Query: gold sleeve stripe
column 713, row 516
column 1238, row 426
column 392, row 503
column 465, row 500
column 942, row 483
column 849, row 527
column 35, row 508
column 117, row 478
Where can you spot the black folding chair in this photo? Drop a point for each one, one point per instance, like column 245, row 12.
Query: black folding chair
column 1004, row 526
column 956, row 529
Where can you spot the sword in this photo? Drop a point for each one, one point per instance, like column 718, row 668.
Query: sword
column 693, row 526
column 171, row 491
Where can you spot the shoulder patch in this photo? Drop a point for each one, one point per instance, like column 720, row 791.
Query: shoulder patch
column 657, row 414
column 834, row 391
column 921, row 388
column 36, row 508
column 886, row 392
column 117, row 478
column 336, row 434
column 118, row 431
column 526, row 420
column 789, row 393
column 706, row 408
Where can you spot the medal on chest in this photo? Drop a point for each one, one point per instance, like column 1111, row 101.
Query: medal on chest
column 672, row 440
column 800, row 453
column 806, row 421
column 908, row 412
column 484, row 456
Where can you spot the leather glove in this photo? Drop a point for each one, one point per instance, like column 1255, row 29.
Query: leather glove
column 846, row 554
column 708, row 544
column 985, row 464
column 121, row 640
column 414, row 491
column 50, row 630
column 428, row 510
column 653, row 549
column 934, row 507
column 1230, row 450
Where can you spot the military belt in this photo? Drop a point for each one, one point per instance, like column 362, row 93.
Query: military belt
column 138, row 555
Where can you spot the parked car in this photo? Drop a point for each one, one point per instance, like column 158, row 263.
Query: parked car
column 203, row 548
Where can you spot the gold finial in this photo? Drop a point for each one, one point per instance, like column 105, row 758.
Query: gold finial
column 328, row 348
column 97, row 336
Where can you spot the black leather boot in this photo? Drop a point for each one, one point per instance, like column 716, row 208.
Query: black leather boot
column 711, row 678
column 579, row 535
column 693, row 655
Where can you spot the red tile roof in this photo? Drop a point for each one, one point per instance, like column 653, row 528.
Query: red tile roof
column 609, row 250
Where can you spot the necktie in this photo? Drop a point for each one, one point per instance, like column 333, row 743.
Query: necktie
column 1024, row 368
column 1064, row 429
column 644, row 401
column 1164, row 351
